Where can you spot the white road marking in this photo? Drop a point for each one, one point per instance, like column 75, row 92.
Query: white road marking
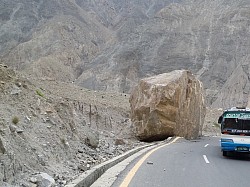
column 205, row 158
column 206, row 145
column 133, row 171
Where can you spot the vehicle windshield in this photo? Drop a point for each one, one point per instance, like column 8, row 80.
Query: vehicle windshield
column 235, row 126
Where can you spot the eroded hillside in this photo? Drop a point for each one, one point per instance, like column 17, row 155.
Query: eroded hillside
column 57, row 128
column 62, row 130
column 207, row 37
column 110, row 45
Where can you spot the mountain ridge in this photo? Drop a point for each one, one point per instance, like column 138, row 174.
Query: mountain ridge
column 111, row 45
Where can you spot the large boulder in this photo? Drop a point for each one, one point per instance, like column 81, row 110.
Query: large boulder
column 169, row 104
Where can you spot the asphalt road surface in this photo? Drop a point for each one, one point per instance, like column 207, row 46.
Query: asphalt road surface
column 197, row 163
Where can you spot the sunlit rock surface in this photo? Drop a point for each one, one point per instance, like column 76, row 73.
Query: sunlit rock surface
column 169, row 104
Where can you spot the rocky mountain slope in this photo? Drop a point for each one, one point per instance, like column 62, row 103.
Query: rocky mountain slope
column 49, row 38
column 60, row 130
column 57, row 128
column 110, row 44
column 66, row 108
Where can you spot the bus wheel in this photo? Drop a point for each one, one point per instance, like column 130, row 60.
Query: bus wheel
column 224, row 153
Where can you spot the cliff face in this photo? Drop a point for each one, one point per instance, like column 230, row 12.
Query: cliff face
column 110, row 44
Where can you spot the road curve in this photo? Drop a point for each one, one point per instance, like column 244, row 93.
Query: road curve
column 188, row 163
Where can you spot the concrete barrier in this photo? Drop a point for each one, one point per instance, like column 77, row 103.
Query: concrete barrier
column 90, row 176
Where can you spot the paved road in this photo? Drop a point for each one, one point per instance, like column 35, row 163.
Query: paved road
column 190, row 164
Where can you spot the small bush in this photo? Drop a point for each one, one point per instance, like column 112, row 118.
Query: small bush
column 15, row 120
column 216, row 124
column 39, row 92
column 63, row 140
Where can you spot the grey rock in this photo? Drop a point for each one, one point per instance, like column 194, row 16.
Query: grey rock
column 13, row 128
column 120, row 151
column 82, row 167
column 15, row 90
column 19, row 84
column 119, row 142
column 80, row 151
column 27, row 184
column 44, row 180
column 2, row 148
column 33, row 180
column 27, row 119
column 92, row 139
column 19, row 131
column 149, row 162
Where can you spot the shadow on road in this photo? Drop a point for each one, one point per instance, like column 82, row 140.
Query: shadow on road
column 238, row 156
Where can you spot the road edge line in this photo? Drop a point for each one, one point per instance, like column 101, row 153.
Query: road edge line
column 132, row 172
column 89, row 177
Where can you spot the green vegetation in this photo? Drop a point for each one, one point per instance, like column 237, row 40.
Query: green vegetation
column 15, row 120
column 216, row 124
column 63, row 140
column 39, row 92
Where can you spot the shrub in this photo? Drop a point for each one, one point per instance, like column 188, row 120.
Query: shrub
column 15, row 120
column 63, row 140
column 216, row 124
column 39, row 92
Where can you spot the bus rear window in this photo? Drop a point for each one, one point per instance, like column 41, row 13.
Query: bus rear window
column 231, row 123
column 236, row 126
column 245, row 124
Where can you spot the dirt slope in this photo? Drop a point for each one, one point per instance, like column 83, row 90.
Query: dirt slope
column 57, row 128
